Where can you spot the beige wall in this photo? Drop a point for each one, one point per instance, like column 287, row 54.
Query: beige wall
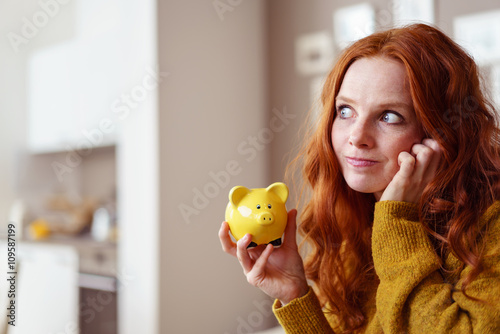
column 213, row 101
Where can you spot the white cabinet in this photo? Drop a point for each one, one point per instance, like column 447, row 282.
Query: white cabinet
column 46, row 290
column 72, row 85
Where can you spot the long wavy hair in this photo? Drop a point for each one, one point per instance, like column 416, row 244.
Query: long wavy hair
column 449, row 103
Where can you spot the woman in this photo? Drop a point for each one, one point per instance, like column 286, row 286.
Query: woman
column 403, row 223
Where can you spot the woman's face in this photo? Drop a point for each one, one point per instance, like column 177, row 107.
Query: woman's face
column 374, row 122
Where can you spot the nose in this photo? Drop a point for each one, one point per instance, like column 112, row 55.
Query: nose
column 361, row 134
column 265, row 218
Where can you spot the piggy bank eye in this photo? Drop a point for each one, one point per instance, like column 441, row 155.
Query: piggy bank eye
column 269, row 206
column 258, row 206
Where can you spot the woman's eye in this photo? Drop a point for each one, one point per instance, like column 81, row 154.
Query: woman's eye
column 393, row 118
column 345, row 112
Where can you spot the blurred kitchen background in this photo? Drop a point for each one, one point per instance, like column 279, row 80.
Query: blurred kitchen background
column 124, row 124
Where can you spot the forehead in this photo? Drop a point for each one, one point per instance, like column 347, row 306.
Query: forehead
column 376, row 78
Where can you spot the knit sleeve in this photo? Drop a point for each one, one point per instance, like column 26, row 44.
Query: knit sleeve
column 413, row 296
column 302, row 315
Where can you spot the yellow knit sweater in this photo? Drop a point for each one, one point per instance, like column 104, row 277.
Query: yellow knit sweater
column 414, row 294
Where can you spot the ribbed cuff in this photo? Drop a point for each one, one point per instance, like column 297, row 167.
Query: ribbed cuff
column 302, row 315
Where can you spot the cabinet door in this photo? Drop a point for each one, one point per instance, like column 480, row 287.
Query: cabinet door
column 72, row 85
column 71, row 88
column 53, row 86
column 46, row 293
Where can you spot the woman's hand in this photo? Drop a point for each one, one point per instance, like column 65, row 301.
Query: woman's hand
column 278, row 272
column 416, row 171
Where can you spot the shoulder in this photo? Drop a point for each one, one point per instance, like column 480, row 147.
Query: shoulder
column 490, row 221
column 492, row 213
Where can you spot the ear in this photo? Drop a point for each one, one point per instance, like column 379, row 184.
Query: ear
column 237, row 193
column 279, row 189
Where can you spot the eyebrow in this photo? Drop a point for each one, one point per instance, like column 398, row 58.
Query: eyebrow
column 386, row 105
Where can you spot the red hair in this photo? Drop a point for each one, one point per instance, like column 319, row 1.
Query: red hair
column 449, row 104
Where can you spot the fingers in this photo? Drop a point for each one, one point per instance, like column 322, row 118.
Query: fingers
column 242, row 253
column 432, row 144
column 240, row 250
column 406, row 164
column 254, row 261
column 428, row 156
column 437, row 153
column 428, row 151
column 424, row 159
column 290, row 239
column 227, row 244
column 417, row 169
column 259, row 266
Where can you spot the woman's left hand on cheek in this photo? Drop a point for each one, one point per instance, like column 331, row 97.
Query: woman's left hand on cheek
column 416, row 170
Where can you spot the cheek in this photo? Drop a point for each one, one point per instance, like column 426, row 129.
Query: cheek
column 337, row 139
column 402, row 144
column 334, row 142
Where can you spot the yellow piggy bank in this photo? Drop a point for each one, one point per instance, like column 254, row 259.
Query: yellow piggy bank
column 260, row 212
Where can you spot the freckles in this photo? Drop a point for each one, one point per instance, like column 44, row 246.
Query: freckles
column 405, row 141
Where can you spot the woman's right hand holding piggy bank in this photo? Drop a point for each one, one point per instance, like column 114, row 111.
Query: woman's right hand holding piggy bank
column 277, row 272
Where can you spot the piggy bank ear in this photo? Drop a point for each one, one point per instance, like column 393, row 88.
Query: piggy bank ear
column 236, row 194
column 279, row 189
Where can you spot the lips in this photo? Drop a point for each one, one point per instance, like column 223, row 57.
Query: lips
column 359, row 162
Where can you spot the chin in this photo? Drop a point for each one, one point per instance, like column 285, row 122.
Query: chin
column 364, row 187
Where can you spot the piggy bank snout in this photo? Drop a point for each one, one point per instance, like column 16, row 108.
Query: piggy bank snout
column 265, row 218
